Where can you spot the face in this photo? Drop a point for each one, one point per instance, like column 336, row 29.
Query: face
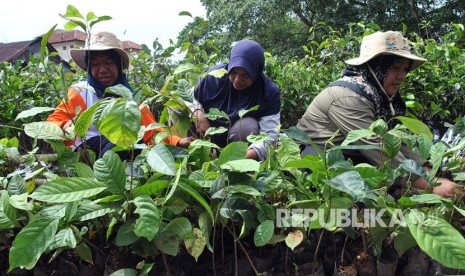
column 240, row 79
column 103, row 69
column 395, row 76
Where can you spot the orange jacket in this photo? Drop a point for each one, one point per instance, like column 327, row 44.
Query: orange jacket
column 81, row 96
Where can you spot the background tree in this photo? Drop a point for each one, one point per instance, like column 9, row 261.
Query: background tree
column 283, row 26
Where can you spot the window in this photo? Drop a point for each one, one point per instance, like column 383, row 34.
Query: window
column 71, row 46
column 64, row 47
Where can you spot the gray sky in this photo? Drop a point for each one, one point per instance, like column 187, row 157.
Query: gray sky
column 141, row 22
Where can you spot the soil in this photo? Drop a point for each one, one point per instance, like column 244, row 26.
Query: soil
column 245, row 259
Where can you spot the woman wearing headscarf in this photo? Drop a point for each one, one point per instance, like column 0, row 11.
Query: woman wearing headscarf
column 104, row 60
column 243, row 86
column 367, row 91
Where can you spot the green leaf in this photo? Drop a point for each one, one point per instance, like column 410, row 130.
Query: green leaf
column 215, row 114
column 294, row 238
column 351, row 183
column 201, row 143
column 426, row 199
column 125, row 272
column 83, row 122
column 84, row 252
column 288, row 151
column 183, row 68
column 185, row 13
column 89, row 211
column 44, row 130
column 125, row 235
column 192, row 192
column 20, row 202
column 120, row 90
column 167, row 243
column 180, row 227
column 150, row 188
column 244, row 165
column 63, row 190
column 415, row 126
column 437, row 238
column 263, row 233
column 404, row 240
column 8, row 215
column 121, row 122
column 424, row 146
column 206, row 225
column 379, row 127
column 391, row 144
column 111, row 170
column 356, row 135
column 73, row 12
column 244, row 189
column 64, row 239
column 297, row 134
column 233, row 151
column 160, row 159
column 148, row 223
column 437, row 152
column 247, row 222
column 83, row 170
column 413, row 167
column 215, row 130
column 371, row 175
column 33, row 111
column 195, row 244
column 242, row 112
column 218, row 73
column 31, row 242
column 100, row 107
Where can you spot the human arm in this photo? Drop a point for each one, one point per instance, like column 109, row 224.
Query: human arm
column 147, row 118
column 201, row 122
column 270, row 126
column 352, row 113
column 446, row 187
column 348, row 112
column 67, row 111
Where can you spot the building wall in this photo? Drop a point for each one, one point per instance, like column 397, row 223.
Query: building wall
column 64, row 47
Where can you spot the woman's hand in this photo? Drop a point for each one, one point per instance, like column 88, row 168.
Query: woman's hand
column 251, row 154
column 201, row 122
column 448, row 189
column 185, row 142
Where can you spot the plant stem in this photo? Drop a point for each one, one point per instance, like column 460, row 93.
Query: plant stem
column 166, row 264
column 316, row 251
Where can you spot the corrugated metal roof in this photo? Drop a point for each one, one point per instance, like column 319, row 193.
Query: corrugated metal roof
column 14, row 50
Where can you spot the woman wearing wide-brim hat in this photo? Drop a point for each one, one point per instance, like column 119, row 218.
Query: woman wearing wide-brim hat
column 368, row 90
column 105, row 61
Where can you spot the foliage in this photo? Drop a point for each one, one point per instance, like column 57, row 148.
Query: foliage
column 169, row 201
column 283, row 26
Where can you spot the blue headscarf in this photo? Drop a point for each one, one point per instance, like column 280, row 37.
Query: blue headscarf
column 213, row 92
column 98, row 86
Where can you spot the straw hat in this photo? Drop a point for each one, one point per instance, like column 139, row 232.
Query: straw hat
column 385, row 43
column 100, row 41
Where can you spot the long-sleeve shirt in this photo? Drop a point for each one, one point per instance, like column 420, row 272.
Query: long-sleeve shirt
column 82, row 96
column 339, row 108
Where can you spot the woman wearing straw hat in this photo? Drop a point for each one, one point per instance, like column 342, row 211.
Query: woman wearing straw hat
column 367, row 90
column 104, row 61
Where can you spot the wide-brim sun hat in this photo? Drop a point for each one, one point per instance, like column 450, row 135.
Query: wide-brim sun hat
column 100, row 41
column 385, row 43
